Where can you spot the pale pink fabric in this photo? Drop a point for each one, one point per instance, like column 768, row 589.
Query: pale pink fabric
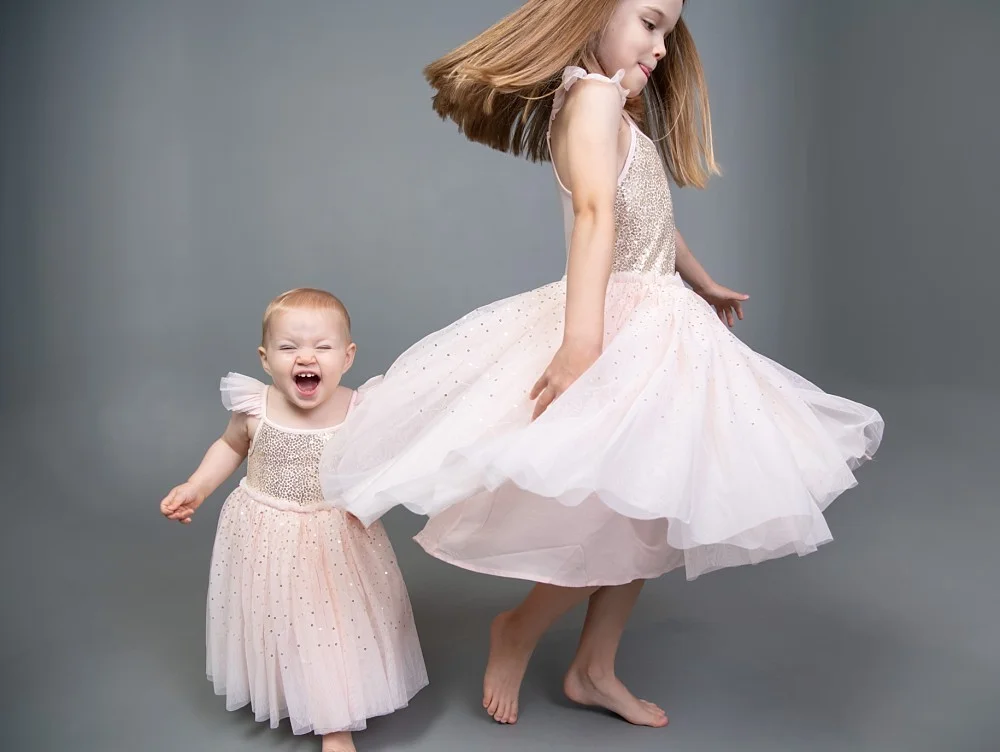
column 308, row 616
column 679, row 447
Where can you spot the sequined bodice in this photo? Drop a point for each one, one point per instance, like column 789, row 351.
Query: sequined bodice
column 645, row 239
column 284, row 463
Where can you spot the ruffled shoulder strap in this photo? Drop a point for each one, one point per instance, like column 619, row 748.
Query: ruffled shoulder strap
column 573, row 73
column 243, row 394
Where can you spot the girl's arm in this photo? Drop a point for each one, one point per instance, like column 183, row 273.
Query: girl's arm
column 221, row 460
column 593, row 113
column 593, row 119
column 688, row 267
column 728, row 304
column 224, row 456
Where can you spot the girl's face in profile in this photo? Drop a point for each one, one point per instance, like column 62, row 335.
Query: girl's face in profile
column 634, row 40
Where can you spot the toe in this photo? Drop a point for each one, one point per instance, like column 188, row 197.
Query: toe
column 503, row 710
column 494, row 706
column 655, row 708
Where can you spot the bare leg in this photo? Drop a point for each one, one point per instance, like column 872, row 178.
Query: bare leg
column 338, row 742
column 591, row 678
column 513, row 636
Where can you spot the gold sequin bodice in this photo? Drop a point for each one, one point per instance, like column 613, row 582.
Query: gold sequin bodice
column 645, row 239
column 284, row 463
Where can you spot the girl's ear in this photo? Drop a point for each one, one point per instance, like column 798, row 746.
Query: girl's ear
column 352, row 350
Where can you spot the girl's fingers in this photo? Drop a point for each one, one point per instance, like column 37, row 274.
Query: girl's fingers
column 544, row 400
column 538, row 387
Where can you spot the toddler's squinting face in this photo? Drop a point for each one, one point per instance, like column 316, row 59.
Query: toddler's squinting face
column 306, row 353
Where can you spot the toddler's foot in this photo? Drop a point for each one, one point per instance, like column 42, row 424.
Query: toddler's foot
column 338, row 742
column 593, row 689
column 509, row 654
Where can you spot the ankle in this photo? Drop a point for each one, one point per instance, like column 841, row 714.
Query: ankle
column 594, row 671
column 519, row 629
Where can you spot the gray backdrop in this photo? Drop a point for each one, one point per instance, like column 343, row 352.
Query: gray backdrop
column 167, row 167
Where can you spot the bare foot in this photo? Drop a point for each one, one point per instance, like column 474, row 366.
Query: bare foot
column 338, row 742
column 606, row 691
column 508, row 661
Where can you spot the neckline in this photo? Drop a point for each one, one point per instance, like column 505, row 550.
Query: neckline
column 291, row 429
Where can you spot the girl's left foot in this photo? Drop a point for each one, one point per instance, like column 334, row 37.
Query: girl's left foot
column 593, row 689
column 338, row 742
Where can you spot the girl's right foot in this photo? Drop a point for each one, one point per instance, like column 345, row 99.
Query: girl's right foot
column 586, row 687
column 508, row 661
column 338, row 742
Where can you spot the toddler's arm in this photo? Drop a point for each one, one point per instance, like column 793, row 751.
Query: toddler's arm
column 221, row 460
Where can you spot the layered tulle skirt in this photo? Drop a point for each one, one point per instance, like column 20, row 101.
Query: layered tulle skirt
column 680, row 446
column 308, row 617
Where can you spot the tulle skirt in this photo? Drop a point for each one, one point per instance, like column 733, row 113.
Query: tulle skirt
column 680, row 446
column 308, row 617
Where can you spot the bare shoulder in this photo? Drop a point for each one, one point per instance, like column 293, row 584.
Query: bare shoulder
column 588, row 145
column 239, row 431
column 593, row 101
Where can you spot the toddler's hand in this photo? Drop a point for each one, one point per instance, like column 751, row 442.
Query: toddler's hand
column 181, row 503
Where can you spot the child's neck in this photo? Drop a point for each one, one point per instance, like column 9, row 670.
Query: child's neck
column 327, row 414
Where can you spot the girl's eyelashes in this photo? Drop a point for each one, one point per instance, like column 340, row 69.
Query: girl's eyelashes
column 292, row 347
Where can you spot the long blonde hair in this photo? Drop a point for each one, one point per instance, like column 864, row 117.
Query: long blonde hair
column 498, row 86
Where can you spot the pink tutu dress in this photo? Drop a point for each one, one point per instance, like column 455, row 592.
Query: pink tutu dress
column 679, row 447
column 308, row 615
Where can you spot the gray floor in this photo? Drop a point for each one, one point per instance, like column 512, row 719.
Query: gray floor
column 884, row 640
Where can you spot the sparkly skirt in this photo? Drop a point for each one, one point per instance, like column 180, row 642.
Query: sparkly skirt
column 679, row 447
column 308, row 617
